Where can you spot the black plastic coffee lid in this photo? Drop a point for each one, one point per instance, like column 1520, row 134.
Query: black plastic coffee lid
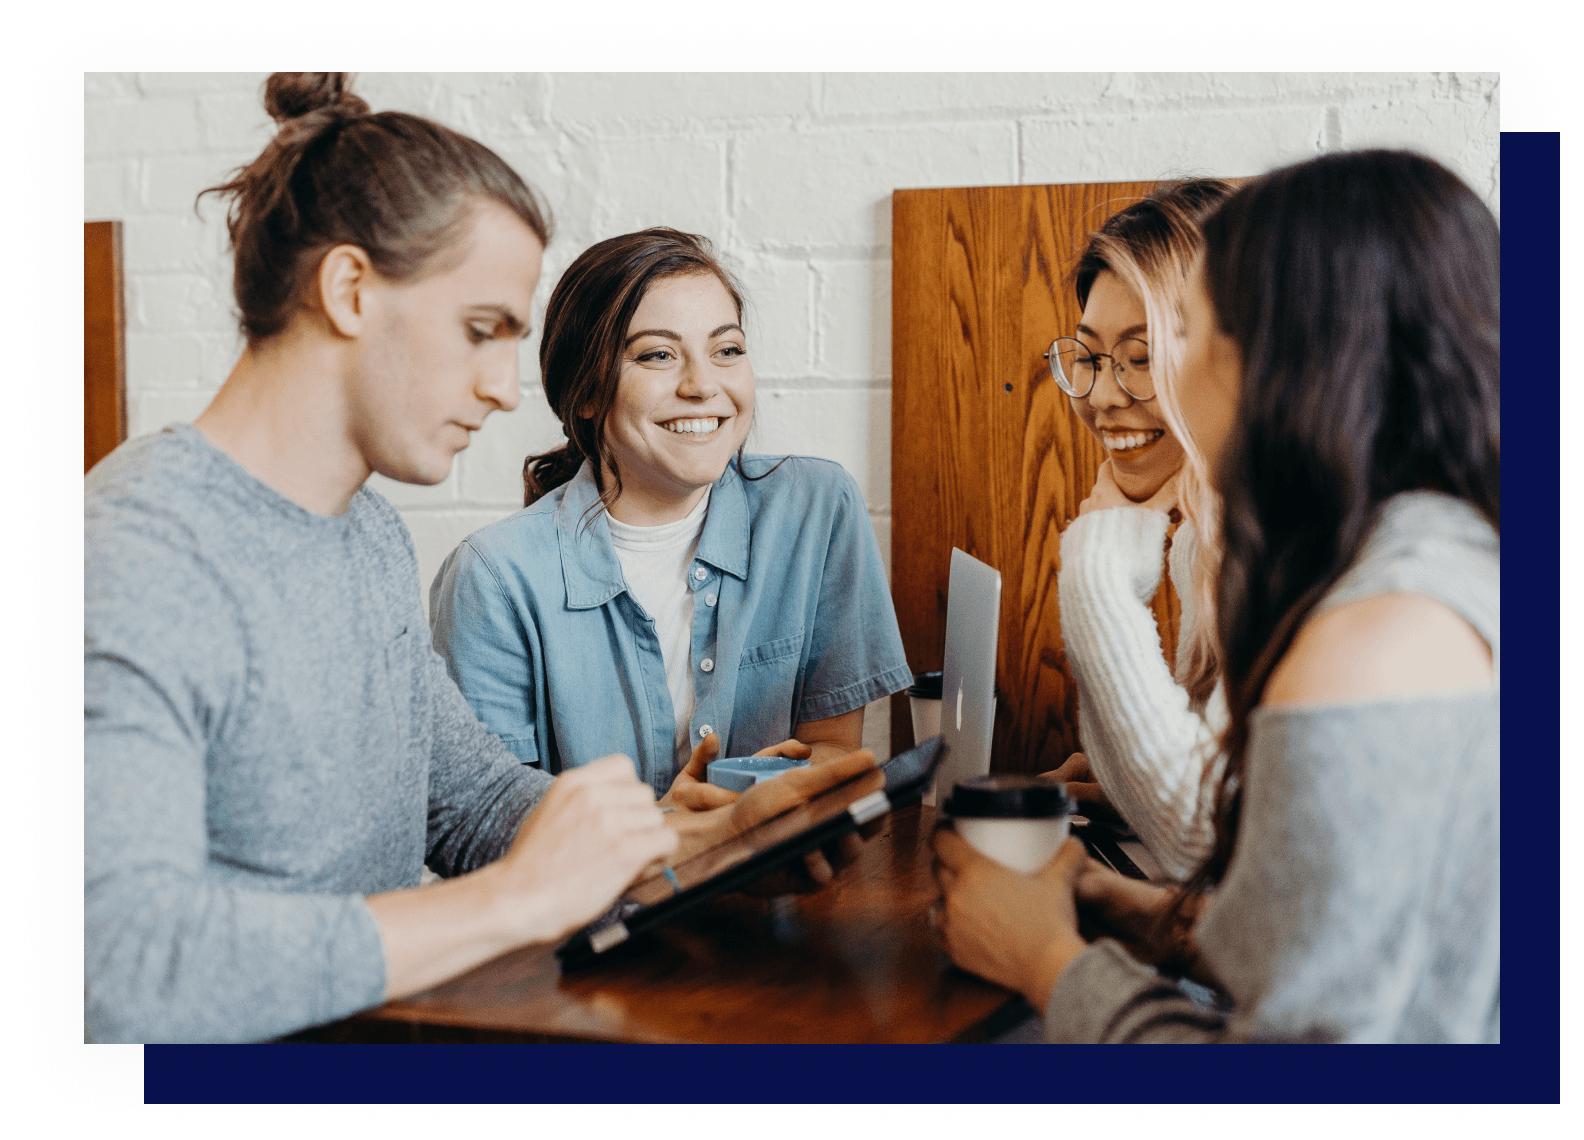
column 1008, row 797
column 928, row 686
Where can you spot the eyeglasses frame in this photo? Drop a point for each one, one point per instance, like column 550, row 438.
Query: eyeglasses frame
column 1118, row 369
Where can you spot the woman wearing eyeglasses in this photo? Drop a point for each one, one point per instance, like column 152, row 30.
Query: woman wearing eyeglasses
column 1148, row 730
column 1341, row 378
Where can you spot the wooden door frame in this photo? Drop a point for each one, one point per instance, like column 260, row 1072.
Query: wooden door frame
column 986, row 454
column 104, row 342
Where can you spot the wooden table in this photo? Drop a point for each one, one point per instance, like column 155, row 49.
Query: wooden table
column 856, row 962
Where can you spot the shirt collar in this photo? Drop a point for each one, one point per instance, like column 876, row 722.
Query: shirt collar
column 589, row 567
column 724, row 543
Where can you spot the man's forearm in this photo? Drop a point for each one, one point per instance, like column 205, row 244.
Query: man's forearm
column 434, row 933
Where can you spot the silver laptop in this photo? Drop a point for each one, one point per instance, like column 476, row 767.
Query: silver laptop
column 973, row 619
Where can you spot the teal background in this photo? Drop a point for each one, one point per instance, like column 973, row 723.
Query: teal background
column 53, row 1085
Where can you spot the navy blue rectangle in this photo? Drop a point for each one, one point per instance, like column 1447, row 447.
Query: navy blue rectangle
column 502, row 1074
column 1524, row 1068
column 1531, row 658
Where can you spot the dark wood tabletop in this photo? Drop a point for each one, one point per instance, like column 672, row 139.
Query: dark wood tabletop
column 856, row 962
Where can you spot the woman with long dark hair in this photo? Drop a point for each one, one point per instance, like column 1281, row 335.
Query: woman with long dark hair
column 1341, row 382
column 662, row 593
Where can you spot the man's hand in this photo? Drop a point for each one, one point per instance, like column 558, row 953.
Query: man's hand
column 692, row 791
column 1018, row 930
column 595, row 829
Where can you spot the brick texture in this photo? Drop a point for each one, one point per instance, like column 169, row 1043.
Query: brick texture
column 790, row 175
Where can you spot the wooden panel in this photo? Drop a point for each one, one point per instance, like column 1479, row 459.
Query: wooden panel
column 986, row 454
column 104, row 342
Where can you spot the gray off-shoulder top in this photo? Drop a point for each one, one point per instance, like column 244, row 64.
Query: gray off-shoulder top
column 1363, row 901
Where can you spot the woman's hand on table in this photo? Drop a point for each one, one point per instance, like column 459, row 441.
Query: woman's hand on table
column 700, row 830
column 692, row 791
column 1084, row 788
column 1106, row 494
column 1132, row 912
column 1018, row 930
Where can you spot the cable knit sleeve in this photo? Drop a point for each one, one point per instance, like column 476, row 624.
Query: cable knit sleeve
column 1146, row 744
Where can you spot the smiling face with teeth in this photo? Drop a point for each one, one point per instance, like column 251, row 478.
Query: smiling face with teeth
column 1142, row 451
column 684, row 401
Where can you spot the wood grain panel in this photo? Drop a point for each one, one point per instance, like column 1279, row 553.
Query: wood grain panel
column 987, row 454
column 104, row 342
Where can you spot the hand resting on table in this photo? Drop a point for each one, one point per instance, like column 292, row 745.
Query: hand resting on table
column 703, row 827
column 1084, row 789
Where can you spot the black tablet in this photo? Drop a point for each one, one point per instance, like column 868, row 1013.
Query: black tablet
column 767, row 847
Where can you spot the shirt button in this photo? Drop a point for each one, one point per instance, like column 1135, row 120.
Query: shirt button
column 709, row 599
column 700, row 573
column 704, row 730
column 707, row 664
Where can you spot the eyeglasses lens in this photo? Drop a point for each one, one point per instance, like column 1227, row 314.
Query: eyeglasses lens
column 1073, row 367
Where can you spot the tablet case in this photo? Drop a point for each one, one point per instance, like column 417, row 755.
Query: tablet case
column 838, row 811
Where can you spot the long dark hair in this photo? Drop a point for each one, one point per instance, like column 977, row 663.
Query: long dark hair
column 1151, row 245
column 585, row 330
column 1363, row 291
column 395, row 185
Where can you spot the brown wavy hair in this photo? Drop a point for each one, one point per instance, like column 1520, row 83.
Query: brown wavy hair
column 395, row 185
column 585, row 330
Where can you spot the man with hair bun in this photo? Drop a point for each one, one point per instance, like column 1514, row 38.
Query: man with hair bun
column 272, row 749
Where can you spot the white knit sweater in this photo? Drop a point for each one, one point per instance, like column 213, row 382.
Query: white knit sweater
column 1148, row 748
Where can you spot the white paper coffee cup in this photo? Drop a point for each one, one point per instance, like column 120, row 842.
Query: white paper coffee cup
column 924, row 702
column 1023, row 844
column 1019, row 821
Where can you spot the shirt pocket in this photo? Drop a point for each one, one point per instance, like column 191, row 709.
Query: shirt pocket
column 767, row 683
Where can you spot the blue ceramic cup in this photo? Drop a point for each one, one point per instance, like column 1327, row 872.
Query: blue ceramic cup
column 739, row 773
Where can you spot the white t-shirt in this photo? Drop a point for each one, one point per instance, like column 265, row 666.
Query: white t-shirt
column 655, row 562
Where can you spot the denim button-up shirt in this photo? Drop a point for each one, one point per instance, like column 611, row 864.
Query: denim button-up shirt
column 533, row 618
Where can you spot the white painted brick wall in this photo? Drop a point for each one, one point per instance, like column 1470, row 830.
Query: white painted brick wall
column 790, row 174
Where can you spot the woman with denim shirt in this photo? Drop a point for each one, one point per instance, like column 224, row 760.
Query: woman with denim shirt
column 660, row 587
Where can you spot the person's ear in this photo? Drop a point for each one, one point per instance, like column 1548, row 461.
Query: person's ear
column 345, row 274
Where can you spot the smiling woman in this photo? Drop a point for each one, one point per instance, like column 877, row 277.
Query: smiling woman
column 684, row 402
column 1147, row 726
column 713, row 599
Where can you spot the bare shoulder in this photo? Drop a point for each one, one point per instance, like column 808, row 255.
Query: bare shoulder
column 1385, row 646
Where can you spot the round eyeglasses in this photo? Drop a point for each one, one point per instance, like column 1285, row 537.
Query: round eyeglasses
column 1074, row 367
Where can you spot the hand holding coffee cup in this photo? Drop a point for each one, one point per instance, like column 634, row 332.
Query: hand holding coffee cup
column 1019, row 821
column 1014, row 928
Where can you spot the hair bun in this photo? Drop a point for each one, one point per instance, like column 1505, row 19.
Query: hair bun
column 291, row 94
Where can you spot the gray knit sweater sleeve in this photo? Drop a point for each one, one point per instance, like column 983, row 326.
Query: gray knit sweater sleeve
column 1363, row 901
column 173, row 951
column 479, row 792
column 268, row 739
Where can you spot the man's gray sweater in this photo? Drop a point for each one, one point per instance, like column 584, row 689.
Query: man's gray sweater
column 268, row 738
